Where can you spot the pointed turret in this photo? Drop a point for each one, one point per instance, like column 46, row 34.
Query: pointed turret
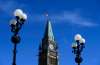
column 48, row 31
column 48, row 54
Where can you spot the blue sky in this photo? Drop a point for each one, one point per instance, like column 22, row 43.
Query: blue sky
column 68, row 17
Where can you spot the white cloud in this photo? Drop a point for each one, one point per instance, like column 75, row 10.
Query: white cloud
column 76, row 19
column 69, row 17
column 9, row 6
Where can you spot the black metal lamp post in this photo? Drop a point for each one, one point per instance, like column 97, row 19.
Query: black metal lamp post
column 78, row 48
column 16, row 25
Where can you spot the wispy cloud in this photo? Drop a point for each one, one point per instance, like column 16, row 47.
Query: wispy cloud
column 9, row 6
column 69, row 17
column 66, row 16
column 77, row 19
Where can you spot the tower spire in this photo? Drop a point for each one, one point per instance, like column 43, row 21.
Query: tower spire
column 48, row 54
column 48, row 30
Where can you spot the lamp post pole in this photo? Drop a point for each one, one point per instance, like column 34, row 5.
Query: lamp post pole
column 16, row 25
column 15, row 39
column 78, row 51
column 14, row 55
column 78, row 48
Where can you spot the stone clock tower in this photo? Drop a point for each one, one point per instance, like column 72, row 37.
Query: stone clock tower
column 48, row 48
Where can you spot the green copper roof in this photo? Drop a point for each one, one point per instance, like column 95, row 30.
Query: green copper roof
column 49, row 31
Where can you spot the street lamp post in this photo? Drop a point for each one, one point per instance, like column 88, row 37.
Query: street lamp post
column 16, row 25
column 78, row 48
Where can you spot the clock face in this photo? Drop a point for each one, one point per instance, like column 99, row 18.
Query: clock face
column 51, row 46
